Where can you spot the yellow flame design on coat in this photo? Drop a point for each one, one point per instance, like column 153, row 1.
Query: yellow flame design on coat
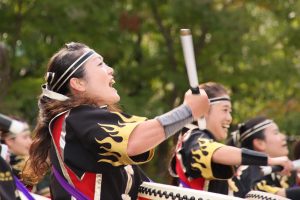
column 283, row 181
column 117, row 139
column 263, row 186
column 232, row 186
column 202, row 157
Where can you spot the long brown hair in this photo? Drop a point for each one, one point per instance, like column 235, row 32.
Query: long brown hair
column 38, row 162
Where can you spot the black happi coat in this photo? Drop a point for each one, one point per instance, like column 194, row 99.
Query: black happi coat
column 92, row 143
column 250, row 178
column 193, row 157
column 8, row 189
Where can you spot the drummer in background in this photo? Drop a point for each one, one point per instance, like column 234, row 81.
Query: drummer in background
column 200, row 161
column 263, row 135
column 8, row 188
column 18, row 146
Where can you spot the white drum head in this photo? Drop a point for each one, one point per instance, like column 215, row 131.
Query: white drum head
column 258, row 195
column 156, row 191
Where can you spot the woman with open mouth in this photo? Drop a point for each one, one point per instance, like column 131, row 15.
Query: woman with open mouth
column 263, row 135
column 91, row 146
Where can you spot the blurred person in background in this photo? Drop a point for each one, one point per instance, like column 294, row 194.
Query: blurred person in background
column 18, row 144
column 8, row 188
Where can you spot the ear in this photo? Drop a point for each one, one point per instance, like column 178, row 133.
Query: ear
column 77, row 84
column 206, row 115
column 259, row 145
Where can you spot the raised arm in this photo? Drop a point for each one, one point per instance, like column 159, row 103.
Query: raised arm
column 229, row 155
column 150, row 133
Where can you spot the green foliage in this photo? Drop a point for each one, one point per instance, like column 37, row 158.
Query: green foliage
column 23, row 98
column 252, row 47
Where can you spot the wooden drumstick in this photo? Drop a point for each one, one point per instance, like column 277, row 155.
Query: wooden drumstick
column 190, row 63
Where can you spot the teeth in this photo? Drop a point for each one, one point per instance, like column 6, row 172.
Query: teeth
column 226, row 126
column 112, row 82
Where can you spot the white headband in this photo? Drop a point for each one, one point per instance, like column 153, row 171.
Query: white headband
column 53, row 95
column 219, row 99
column 255, row 129
column 50, row 92
column 71, row 70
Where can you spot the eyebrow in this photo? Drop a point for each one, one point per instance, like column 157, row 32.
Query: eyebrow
column 99, row 58
column 226, row 105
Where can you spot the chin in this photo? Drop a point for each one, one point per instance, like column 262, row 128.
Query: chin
column 117, row 98
column 286, row 152
column 282, row 153
column 221, row 138
column 114, row 100
column 224, row 136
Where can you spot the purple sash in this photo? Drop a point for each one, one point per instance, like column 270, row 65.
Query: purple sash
column 184, row 184
column 23, row 189
column 69, row 188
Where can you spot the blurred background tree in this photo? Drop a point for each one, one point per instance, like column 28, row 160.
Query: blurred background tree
column 250, row 46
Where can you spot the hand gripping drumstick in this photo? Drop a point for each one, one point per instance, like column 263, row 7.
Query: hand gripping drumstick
column 190, row 63
column 269, row 169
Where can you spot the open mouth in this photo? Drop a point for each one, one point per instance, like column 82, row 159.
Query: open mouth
column 284, row 145
column 225, row 126
column 111, row 83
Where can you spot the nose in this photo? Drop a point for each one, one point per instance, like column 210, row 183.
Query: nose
column 283, row 136
column 109, row 69
column 229, row 117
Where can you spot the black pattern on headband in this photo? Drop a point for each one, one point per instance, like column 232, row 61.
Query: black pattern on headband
column 217, row 99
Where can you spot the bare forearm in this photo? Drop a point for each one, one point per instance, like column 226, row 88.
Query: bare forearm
column 144, row 137
column 149, row 134
column 227, row 155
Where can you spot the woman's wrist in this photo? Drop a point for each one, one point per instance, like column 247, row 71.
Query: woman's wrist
column 175, row 119
column 270, row 161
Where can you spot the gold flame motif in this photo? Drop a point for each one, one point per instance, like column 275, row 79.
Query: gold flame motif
column 202, row 157
column 263, row 186
column 115, row 144
column 232, row 185
column 284, row 181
